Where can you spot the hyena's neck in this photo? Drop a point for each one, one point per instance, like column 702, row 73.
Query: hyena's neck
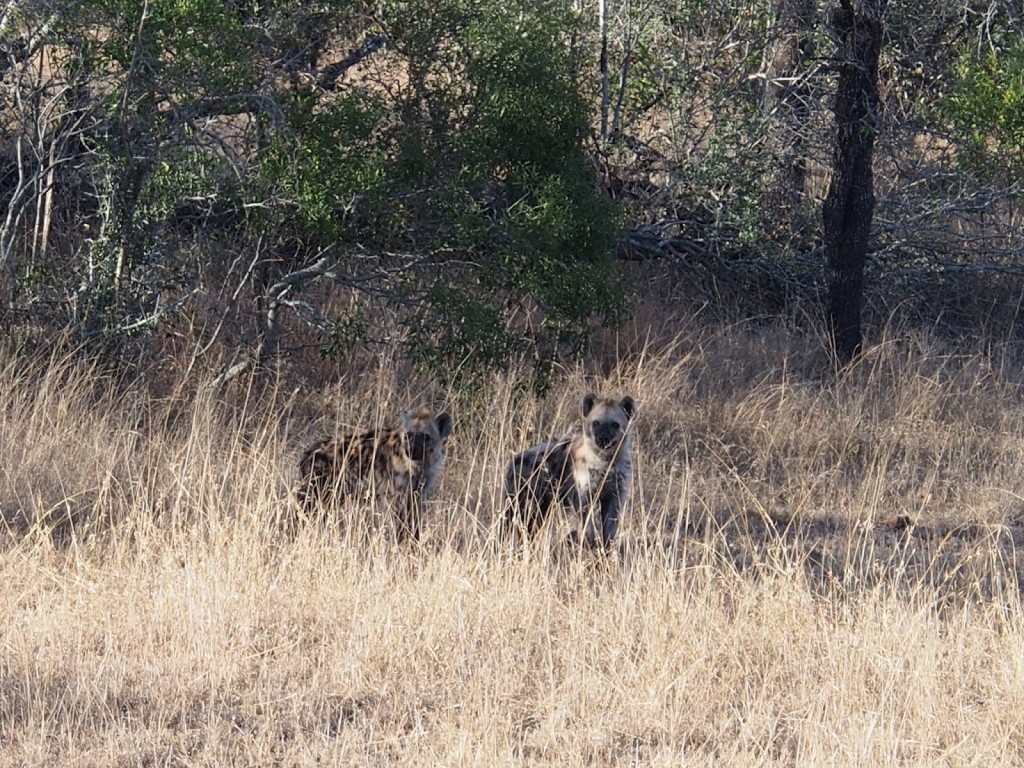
column 588, row 455
column 591, row 466
column 598, row 461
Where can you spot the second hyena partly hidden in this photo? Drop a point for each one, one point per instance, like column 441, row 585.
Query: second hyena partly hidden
column 400, row 464
column 590, row 472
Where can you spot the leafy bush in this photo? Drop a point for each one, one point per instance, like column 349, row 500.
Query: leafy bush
column 986, row 106
column 445, row 175
column 478, row 164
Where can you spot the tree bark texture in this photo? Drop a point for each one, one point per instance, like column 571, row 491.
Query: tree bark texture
column 849, row 205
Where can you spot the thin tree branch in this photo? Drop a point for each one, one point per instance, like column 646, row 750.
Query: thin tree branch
column 328, row 77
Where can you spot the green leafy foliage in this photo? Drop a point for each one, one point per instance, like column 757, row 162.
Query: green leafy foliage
column 183, row 48
column 986, row 106
column 138, row 77
column 329, row 155
column 442, row 159
column 477, row 163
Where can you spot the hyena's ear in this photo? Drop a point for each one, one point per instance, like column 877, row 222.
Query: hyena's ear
column 406, row 420
column 444, row 424
column 588, row 403
column 628, row 405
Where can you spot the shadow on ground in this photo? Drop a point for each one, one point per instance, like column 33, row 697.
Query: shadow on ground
column 967, row 561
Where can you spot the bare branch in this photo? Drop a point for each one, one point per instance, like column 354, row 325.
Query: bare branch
column 328, row 78
column 236, row 104
column 21, row 49
column 278, row 298
column 159, row 313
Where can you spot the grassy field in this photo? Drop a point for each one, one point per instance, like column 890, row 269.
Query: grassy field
column 812, row 571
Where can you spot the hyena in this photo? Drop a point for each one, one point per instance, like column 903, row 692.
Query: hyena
column 589, row 471
column 401, row 463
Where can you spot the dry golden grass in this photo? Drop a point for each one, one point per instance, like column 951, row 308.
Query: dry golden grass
column 812, row 571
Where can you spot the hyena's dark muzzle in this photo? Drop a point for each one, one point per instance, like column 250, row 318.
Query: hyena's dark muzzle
column 605, row 434
column 420, row 445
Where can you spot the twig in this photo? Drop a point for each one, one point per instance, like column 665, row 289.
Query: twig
column 329, row 76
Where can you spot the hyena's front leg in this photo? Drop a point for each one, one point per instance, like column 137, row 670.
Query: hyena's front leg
column 592, row 523
column 600, row 515
column 588, row 509
column 610, row 503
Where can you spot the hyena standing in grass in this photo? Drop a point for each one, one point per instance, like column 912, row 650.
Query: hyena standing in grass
column 400, row 464
column 590, row 471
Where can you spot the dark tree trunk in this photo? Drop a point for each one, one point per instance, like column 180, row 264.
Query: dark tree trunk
column 849, row 205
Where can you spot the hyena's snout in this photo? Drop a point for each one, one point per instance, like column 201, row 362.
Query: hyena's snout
column 420, row 445
column 606, row 434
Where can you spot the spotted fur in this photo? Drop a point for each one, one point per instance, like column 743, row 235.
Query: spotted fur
column 590, row 471
column 401, row 463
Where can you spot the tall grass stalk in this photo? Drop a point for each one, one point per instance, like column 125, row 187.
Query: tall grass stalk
column 813, row 570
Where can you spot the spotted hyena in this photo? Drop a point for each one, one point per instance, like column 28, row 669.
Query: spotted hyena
column 589, row 471
column 400, row 463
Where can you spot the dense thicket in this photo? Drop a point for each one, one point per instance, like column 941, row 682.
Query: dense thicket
column 475, row 180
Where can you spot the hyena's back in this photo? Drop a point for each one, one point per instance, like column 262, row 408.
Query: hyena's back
column 401, row 463
column 332, row 468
